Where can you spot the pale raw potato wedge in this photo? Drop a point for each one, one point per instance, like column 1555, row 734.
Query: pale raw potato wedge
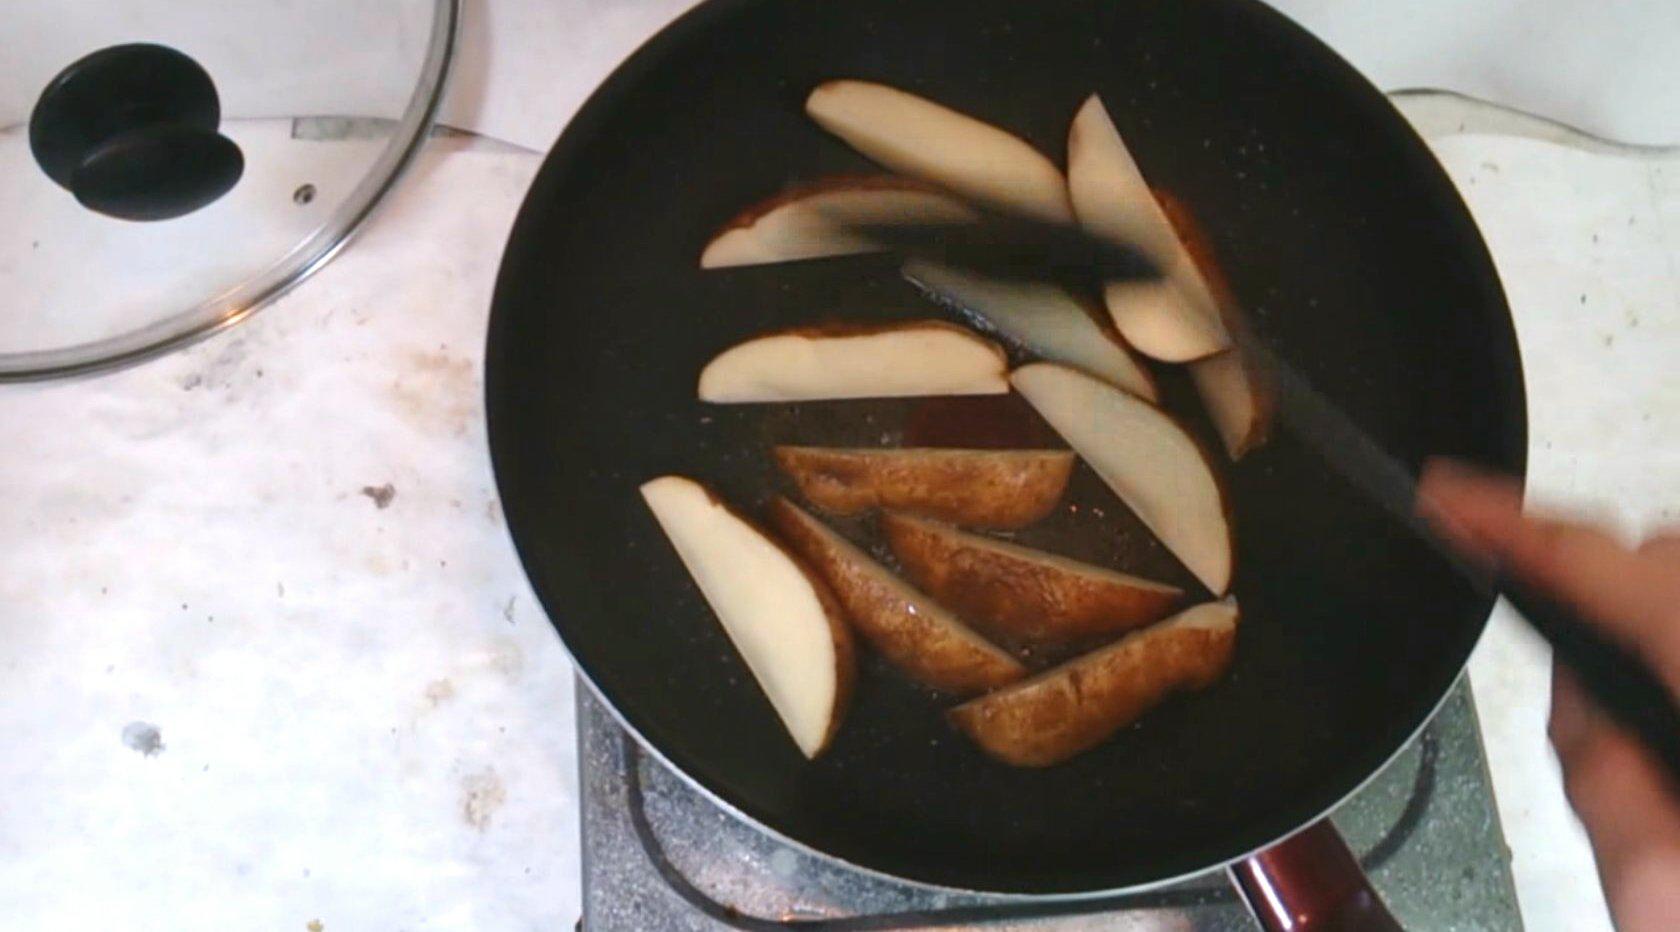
column 1021, row 595
column 1157, row 469
column 1157, row 319
column 917, row 137
column 1074, row 707
column 1174, row 319
column 1236, row 391
column 1237, row 399
column 1044, row 319
column 1109, row 194
column 778, row 614
column 913, row 632
column 812, row 221
column 927, row 357
column 974, row 488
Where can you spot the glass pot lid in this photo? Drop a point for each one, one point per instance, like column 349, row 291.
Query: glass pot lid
column 166, row 167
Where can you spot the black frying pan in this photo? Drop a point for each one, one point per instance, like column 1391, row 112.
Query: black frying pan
column 1340, row 235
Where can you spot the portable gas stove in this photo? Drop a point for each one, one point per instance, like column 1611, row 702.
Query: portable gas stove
column 660, row 855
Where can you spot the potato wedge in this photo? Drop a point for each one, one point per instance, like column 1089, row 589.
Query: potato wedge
column 811, row 221
column 913, row 632
column 1073, row 707
column 1151, row 463
column 1236, row 391
column 1046, row 320
column 922, row 139
column 974, row 488
column 778, row 614
column 1238, row 399
column 1174, row 319
column 1157, row 319
column 1020, row 595
column 924, row 357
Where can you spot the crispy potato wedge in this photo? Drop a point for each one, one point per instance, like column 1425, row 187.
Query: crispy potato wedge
column 1020, row 595
column 1074, row 707
column 912, row 631
column 974, row 488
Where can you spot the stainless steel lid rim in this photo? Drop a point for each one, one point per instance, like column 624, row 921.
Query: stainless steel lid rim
column 220, row 311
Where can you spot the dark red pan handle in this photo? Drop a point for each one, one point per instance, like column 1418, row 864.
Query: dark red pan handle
column 1311, row 882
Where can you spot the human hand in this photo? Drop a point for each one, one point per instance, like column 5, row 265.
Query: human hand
column 1622, row 796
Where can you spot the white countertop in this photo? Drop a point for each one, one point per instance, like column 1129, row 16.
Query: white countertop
column 364, row 718
column 1585, row 250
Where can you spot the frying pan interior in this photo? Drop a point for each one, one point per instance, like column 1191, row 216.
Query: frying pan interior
column 1342, row 239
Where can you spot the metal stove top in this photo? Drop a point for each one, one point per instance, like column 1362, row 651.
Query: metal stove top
column 657, row 855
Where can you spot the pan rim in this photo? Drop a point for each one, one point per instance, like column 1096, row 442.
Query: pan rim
column 1513, row 456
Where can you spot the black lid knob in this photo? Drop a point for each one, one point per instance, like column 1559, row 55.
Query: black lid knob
column 131, row 131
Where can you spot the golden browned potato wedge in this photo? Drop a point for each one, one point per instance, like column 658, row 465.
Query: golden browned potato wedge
column 974, row 488
column 776, row 611
column 1018, row 594
column 1078, row 705
column 916, row 634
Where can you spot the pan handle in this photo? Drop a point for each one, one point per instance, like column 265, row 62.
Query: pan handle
column 1311, row 882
